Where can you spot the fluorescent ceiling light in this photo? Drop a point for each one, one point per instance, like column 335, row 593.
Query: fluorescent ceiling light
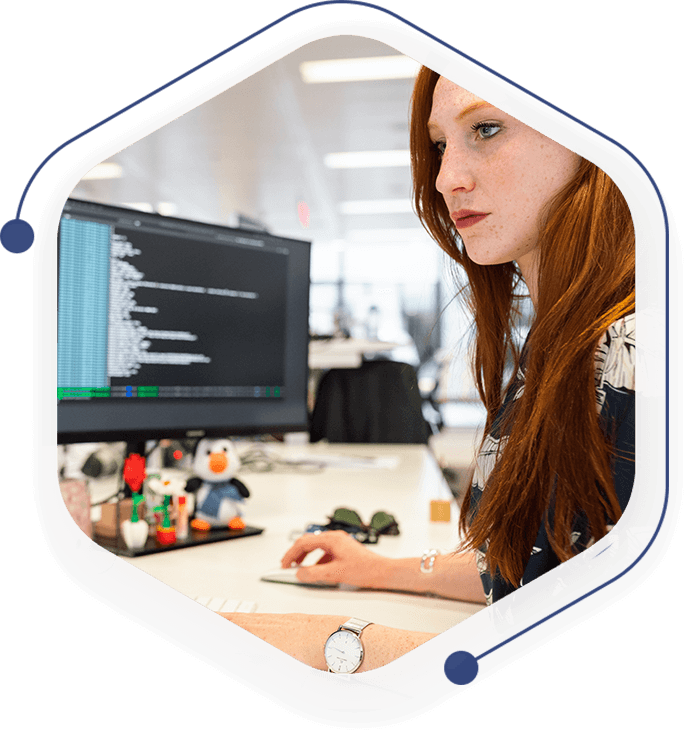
column 166, row 209
column 365, row 159
column 358, row 69
column 104, row 171
column 374, row 207
column 145, row 207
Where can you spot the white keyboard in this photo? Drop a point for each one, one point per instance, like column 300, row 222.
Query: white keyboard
column 226, row 605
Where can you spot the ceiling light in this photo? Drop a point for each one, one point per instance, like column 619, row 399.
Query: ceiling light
column 365, row 159
column 166, row 209
column 145, row 207
column 104, row 171
column 374, row 207
column 359, row 69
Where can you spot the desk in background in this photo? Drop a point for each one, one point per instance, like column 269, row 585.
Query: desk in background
column 282, row 502
column 340, row 353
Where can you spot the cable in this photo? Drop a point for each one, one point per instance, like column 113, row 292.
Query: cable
column 259, row 459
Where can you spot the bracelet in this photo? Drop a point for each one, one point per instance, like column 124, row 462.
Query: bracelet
column 428, row 556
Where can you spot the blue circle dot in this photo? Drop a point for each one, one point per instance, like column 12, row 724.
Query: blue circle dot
column 461, row 668
column 17, row 236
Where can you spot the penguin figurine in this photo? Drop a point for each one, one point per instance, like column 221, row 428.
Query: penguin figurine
column 219, row 496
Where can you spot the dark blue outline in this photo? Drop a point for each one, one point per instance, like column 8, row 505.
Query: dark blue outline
column 455, row 51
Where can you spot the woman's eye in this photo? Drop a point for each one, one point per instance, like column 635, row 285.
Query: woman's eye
column 440, row 147
column 486, row 130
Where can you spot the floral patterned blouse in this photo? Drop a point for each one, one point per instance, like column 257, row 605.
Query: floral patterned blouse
column 625, row 364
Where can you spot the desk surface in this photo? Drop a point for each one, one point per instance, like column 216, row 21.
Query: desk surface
column 334, row 353
column 282, row 502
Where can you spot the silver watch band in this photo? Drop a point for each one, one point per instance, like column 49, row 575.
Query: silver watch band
column 357, row 625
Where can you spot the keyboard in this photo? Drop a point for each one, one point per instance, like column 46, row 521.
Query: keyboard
column 226, row 605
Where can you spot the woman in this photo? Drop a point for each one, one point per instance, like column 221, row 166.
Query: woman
column 556, row 464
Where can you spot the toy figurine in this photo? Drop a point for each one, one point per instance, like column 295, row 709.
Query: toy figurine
column 166, row 487
column 219, row 496
column 166, row 482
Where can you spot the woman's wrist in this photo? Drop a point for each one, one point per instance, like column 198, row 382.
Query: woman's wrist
column 382, row 645
column 451, row 575
column 403, row 574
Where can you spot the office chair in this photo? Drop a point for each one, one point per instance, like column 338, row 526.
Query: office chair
column 378, row 402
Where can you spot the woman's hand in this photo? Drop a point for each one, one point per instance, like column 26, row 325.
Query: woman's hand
column 344, row 561
column 348, row 562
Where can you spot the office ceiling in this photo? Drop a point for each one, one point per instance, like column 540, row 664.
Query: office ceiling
column 258, row 150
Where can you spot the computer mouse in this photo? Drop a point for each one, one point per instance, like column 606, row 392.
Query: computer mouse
column 289, row 575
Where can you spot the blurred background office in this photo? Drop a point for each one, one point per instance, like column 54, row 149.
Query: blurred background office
column 315, row 147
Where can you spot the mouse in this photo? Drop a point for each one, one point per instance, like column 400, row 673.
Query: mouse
column 289, row 575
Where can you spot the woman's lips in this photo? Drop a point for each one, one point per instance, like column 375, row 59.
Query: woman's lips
column 467, row 218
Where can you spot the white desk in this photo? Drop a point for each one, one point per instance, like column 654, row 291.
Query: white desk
column 281, row 502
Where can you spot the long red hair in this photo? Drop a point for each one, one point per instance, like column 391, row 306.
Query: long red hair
column 557, row 457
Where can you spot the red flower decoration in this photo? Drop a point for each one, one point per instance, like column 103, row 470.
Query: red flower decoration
column 134, row 472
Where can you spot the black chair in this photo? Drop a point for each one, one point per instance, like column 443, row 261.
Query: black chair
column 378, row 402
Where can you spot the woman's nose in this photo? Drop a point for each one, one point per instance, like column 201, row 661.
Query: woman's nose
column 455, row 173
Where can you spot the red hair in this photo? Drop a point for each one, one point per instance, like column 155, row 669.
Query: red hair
column 556, row 457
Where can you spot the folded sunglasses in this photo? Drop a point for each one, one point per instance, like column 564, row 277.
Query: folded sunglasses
column 345, row 519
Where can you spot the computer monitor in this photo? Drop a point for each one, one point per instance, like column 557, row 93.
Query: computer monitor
column 169, row 328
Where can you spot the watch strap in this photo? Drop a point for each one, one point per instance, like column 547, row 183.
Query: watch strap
column 357, row 625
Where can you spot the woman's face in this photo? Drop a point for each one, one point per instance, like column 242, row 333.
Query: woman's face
column 496, row 175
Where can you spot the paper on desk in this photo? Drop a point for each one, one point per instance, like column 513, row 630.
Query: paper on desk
column 347, row 462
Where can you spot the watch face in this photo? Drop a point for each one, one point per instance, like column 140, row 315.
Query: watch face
column 343, row 652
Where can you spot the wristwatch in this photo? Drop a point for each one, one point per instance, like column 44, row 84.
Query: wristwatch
column 344, row 649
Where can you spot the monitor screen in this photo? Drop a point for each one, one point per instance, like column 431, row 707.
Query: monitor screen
column 170, row 328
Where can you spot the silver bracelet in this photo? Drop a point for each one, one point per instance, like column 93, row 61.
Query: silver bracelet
column 427, row 560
